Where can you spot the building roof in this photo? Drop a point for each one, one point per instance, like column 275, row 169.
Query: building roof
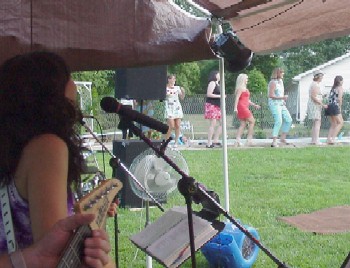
column 298, row 77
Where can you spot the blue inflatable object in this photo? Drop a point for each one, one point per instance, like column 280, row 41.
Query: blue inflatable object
column 231, row 248
column 180, row 139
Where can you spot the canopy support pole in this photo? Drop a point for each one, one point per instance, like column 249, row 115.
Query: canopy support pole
column 223, row 125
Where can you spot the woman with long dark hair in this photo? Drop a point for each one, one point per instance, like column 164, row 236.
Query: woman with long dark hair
column 213, row 110
column 335, row 100
column 40, row 159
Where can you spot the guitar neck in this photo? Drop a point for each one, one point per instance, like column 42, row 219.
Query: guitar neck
column 72, row 256
column 97, row 202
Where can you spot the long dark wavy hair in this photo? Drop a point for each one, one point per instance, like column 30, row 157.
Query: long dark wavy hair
column 337, row 81
column 33, row 102
column 212, row 76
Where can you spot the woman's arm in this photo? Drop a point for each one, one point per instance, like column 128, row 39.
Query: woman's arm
column 340, row 96
column 238, row 94
column 272, row 88
column 182, row 93
column 210, row 90
column 257, row 106
column 45, row 161
column 47, row 251
column 314, row 93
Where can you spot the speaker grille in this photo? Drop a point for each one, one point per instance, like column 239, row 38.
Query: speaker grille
column 146, row 83
column 127, row 151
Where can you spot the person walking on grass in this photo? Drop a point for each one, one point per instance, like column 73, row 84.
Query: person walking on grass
column 213, row 110
column 173, row 108
column 314, row 107
column 277, row 105
column 335, row 100
column 241, row 109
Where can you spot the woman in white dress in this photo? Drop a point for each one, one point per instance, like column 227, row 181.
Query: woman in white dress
column 314, row 107
column 173, row 108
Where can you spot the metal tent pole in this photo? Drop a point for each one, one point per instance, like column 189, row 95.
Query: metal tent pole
column 224, row 128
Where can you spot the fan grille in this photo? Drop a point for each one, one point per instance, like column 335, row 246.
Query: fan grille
column 157, row 176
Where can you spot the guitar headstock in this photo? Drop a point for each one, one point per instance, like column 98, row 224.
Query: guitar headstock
column 98, row 201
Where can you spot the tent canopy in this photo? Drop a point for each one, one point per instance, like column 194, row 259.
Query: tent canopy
column 108, row 34
column 266, row 26
column 104, row 34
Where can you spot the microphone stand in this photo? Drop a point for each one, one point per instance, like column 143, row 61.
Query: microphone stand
column 115, row 163
column 187, row 186
column 183, row 186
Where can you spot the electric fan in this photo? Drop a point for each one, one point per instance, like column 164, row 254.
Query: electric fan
column 157, row 177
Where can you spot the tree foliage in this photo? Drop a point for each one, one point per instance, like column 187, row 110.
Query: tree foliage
column 206, row 66
column 187, row 76
column 256, row 81
column 265, row 64
column 102, row 84
column 189, row 8
column 102, row 81
column 302, row 58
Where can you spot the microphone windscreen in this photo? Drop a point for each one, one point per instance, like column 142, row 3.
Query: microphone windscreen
column 109, row 105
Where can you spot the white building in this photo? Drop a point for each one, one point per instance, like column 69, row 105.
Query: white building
column 338, row 66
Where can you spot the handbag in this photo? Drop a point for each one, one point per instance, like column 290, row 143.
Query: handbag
column 332, row 109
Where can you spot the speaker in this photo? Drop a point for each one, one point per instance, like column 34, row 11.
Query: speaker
column 236, row 55
column 146, row 83
column 127, row 151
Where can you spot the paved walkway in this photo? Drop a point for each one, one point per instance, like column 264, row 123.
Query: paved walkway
column 258, row 143
column 261, row 143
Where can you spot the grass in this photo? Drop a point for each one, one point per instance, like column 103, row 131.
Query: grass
column 265, row 183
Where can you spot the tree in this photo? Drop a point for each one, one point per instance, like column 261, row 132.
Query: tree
column 187, row 76
column 206, row 66
column 102, row 81
column 189, row 8
column 265, row 64
column 256, row 81
column 102, row 84
column 302, row 58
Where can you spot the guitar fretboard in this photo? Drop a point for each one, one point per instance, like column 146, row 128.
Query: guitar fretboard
column 72, row 256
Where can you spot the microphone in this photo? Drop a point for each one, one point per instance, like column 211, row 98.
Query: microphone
column 82, row 116
column 111, row 105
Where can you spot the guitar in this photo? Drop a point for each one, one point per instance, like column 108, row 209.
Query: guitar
column 96, row 202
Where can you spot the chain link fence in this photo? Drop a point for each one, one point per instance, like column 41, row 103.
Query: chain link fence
column 193, row 107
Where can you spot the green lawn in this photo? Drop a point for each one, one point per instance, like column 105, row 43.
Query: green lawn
column 265, row 183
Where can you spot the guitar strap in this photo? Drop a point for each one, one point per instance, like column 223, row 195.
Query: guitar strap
column 7, row 219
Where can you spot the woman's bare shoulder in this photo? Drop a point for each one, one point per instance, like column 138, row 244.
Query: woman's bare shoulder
column 46, row 143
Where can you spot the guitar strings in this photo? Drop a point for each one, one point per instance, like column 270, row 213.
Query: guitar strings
column 74, row 251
